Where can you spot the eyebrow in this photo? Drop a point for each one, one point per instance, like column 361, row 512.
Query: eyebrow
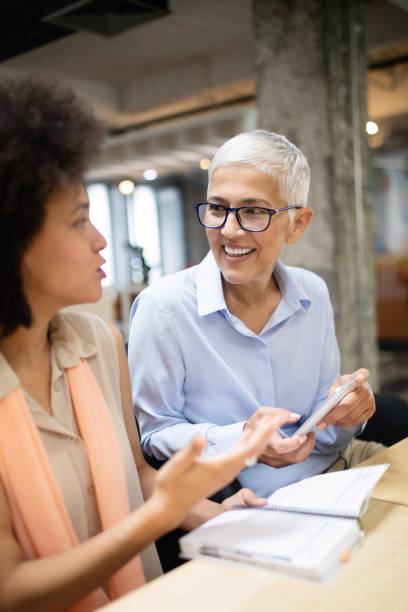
column 80, row 206
column 244, row 202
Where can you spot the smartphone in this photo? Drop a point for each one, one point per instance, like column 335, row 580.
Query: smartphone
column 331, row 401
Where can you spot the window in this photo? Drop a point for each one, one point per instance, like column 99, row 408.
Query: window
column 100, row 216
column 156, row 227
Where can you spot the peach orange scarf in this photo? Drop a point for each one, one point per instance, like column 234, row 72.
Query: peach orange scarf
column 39, row 514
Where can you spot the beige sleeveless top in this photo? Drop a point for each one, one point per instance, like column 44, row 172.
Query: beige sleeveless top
column 76, row 335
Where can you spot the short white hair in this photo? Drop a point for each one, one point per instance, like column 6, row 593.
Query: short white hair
column 272, row 154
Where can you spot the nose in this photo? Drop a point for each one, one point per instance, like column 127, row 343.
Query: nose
column 231, row 226
column 98, row 241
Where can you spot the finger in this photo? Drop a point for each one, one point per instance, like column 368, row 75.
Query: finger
column 258, row 502
column 287, row 445
column 347, row 419
column 251, row 444
column 357, row 417
column 350, row 409
column 253, row 441
column 301, row 453
column 191, row 452
column 249, row 498
column 360, row 375
column 269, row 421
column 336, row 414
column 291, row 417
column 244, row 497
column 196, row 445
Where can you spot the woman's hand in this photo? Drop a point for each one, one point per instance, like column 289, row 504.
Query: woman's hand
column 355, row 408
column 187, row 478
column 243, row 498
column 280, row 451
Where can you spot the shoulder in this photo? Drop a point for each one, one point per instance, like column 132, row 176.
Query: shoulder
column 89, row 328
column 98, row 342
column 311, row 283
column 168, row 293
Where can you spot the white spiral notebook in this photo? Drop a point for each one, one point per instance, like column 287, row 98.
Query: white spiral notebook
column 306, row 529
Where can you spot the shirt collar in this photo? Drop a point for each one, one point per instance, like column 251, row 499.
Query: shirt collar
column 292, row 291
column 210, row 295
column 67, row 347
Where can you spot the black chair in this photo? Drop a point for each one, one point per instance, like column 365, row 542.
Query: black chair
column 389, row 424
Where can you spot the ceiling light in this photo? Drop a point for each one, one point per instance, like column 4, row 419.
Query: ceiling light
column 372, row 128
column 150, row 174
column 205, row 163
column 126, row 187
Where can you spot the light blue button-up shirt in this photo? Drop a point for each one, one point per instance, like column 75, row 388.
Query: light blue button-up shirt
column 195, row 367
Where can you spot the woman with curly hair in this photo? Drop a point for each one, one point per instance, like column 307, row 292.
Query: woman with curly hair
column 75, row 531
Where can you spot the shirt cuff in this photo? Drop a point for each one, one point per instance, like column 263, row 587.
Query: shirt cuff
column 222, row 438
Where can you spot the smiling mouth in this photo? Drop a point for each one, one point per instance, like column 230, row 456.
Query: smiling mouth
column 237, row 252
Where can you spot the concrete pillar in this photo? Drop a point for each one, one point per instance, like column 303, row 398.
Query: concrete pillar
column 310, row 67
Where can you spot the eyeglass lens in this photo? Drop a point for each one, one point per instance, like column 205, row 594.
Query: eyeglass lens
column 251, row 217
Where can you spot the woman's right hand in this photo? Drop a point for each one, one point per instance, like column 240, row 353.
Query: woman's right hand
column 280, row 451
column 187, row 478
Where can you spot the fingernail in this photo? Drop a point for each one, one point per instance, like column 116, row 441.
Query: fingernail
column 302, row 438
column 294, row 416
column 321, row 426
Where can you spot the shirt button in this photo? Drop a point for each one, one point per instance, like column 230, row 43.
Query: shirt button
column 71, row 440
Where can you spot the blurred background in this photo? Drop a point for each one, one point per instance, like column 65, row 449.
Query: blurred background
column 172, row 80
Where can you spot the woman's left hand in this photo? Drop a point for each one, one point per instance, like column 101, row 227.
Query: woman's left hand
column 244, row 497
column 355, row 408
column 187, row 478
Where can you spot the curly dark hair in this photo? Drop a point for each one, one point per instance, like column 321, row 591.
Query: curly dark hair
column 47, row 136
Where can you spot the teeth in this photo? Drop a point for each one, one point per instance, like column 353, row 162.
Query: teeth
column 230, row 251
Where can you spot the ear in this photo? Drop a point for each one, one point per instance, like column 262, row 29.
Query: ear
column 299, row 224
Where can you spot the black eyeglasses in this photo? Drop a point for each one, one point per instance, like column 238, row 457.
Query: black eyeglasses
column 250, row 218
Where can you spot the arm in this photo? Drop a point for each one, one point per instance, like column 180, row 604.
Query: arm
column 204, row 509
column 344, row 420
column 351, row 412
column 174, row 394
column 347, row 418
column 55, row 583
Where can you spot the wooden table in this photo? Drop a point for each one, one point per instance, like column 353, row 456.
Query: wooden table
column 393, row 486
column 374, row 580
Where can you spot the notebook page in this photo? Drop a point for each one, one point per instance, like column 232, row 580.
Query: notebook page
column 342, row 493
